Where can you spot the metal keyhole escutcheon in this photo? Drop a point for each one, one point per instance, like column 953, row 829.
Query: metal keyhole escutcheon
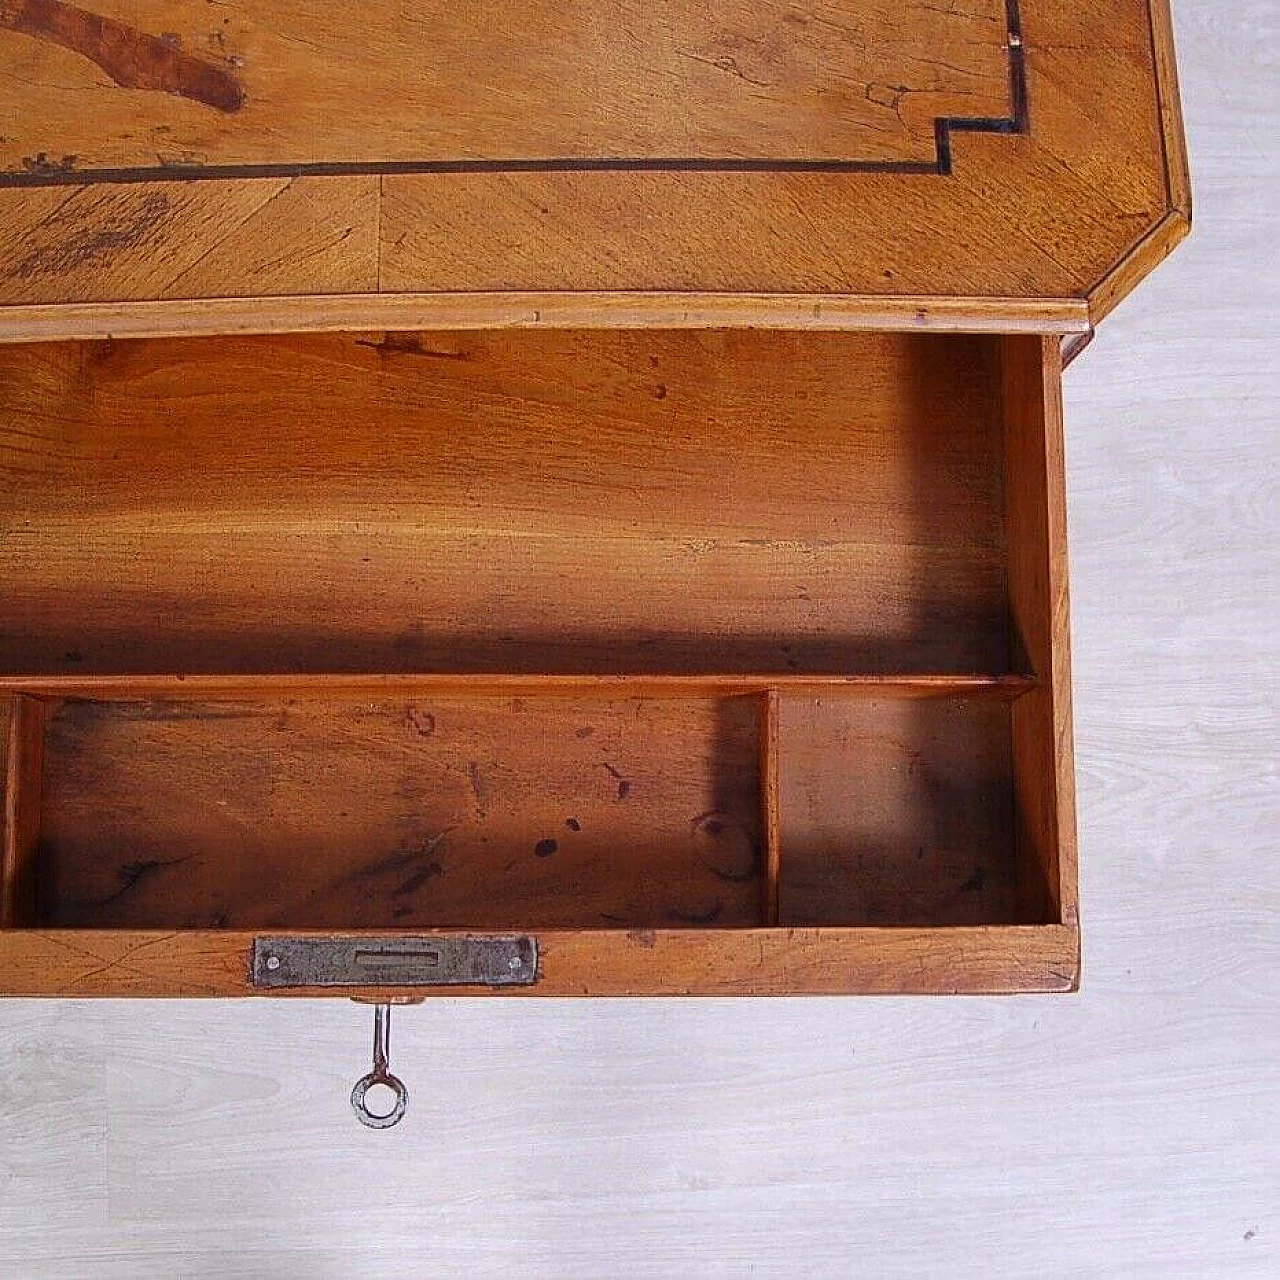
column 380, row 1075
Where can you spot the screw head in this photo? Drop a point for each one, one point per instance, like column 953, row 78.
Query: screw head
column 514, row 962
column 273, row 962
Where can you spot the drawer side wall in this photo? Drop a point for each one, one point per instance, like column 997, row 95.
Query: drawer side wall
column 1036, row 533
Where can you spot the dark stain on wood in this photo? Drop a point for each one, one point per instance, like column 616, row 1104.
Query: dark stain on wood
column 545, row 848
column 417, row 865
column 738, row 857
column 87, row 712
column 132, row 58
column 401, row 860
column 133, row 873
column 387, row 863
column 43, row 163
column 624, row 784
column 95, row 244
column 707, row 916
column 395, row 343
column 711, row 822
column 417, row 880
column 423, row 723
column 733, row 876
column 411, row 641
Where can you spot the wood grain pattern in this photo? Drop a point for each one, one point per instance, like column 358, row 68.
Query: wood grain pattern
column 484, row 553
column 1115, row 285
column 1175, row 138
column 1150, row 249
column 193, row 962
column 175, row 240
column 1127, row 1129
column 1036, row 520
column 962, row 185
column 541, row 503
column 175, row 688
column 896, row 814
column 23, row 760
column 130, row 58
column 8, row 704
column 771, row 806
column 525, row 813
column 520, row 309
column 291, row 83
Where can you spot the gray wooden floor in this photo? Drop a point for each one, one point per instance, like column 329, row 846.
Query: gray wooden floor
column 1133, row 1130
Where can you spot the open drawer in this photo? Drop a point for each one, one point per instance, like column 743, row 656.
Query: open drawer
column 696, row 661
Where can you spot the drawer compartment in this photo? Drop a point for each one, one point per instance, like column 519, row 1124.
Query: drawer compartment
column 512, row 813
column 896, row 812
column 415, row 812
column 614, row 503
column 715, row 662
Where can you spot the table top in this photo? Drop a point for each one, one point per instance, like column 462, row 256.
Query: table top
column 171, row 166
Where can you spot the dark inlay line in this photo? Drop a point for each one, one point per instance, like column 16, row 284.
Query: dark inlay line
column 1017, row 122
column 1019, row 118
column 132, row 58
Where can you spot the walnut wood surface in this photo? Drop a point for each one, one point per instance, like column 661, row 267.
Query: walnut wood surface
column 23, row 761
column 197, row 962
column 642, row 630
column 995, row 155
column 483, row 813
column 523, row 309
column 896, row 812
column 599, row 503
column 1122, row 1130
column 1036, row 521
column 297, row 83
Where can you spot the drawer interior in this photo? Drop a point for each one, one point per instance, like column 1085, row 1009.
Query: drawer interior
column 539, row 811
column 896, row 811
column 490, row 812
column 545, row 502
column 698, row 631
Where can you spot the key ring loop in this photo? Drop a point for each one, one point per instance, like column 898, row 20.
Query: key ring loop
column 380, row 1075
column 371, row 1119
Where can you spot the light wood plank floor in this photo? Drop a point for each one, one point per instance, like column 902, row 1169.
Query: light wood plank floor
column 1134, row 1130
